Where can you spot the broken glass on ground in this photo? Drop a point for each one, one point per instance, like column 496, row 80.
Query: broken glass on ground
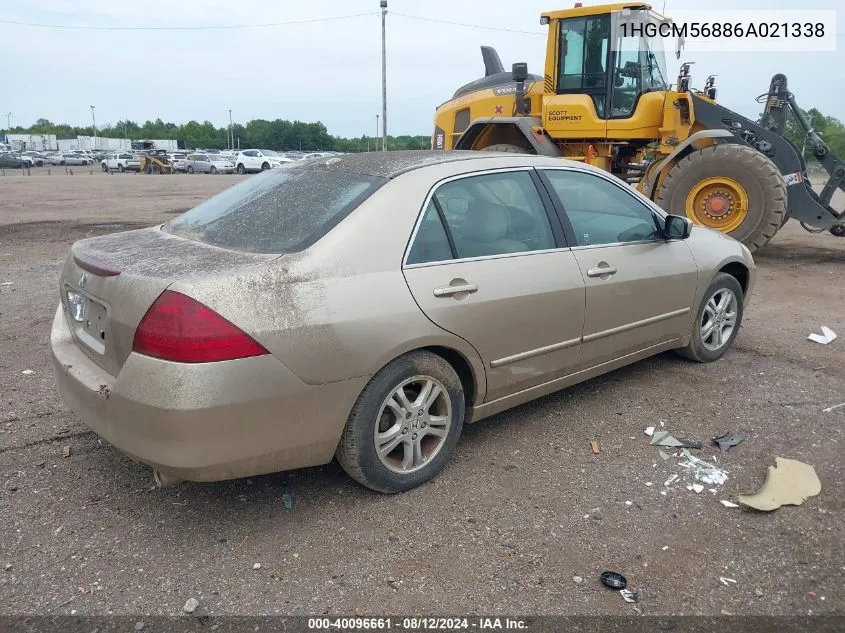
column 788, row 482
column 665, row 438
column 705, row 472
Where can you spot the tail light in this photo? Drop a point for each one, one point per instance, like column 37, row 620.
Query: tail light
column 181, row 329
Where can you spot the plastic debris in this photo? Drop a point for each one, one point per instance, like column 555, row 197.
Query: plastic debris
column 726, row 581
column 705, row 472
column 672, row 478
column 648, row 484
column 827, row 336
column 665, row 547
column 257, row 566
column 289, row 501
column 649, row 431
column 613, row 580
column 27, row 372
column 728, row 504
column 726, row 441
column 663, row 456
column 836, row 406
column 191, row 605
column 7, row 283
column 628, row 595
column 66, row 451
column 788, row 482
column 665, row 438
column 696, row 488
column 595, row 447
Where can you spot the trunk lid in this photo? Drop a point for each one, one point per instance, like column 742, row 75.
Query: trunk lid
column 108, row 283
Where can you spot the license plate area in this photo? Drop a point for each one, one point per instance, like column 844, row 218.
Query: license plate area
column 88, row 319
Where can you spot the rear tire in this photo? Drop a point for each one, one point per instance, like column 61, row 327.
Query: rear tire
column 213, row 169
column 505, row 147
column 121, row 168
column 265, row 166
column 757, row 175
column 703, row 346
column 357, row 451
column 190, row 169
column 241, row 169
column 105, row 168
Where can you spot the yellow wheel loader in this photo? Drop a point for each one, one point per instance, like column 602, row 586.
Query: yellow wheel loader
column 155, row 162
column 605, row 99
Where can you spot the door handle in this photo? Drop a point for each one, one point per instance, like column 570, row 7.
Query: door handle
column 447, row 291
column 600, row 271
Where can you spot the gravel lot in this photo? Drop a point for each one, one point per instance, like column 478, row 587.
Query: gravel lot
column 523, row 507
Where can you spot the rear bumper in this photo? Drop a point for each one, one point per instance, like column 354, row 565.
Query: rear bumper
column 208, row 421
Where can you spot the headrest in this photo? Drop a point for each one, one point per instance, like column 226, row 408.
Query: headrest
column 486, row 222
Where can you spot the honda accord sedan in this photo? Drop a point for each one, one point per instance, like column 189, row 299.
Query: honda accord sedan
column 366, row 307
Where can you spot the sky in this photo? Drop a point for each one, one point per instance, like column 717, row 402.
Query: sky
column 328, row 70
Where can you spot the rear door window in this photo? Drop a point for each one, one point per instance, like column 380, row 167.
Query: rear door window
column 281, row 211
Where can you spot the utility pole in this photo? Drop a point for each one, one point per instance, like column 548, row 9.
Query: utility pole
column 378, row 134
column 231, row 136
column 9, row 122
column 94, row 120
column 383, row 4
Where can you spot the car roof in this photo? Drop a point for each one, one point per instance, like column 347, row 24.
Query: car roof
column 394, row 163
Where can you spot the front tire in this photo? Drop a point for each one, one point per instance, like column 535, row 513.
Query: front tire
column 190, row 169
column 265, row 166
column 731, row 188
column 241, row 169
column 404, row 425
column 717, row 322
column 213, row 170
column 105, row 167
column 121, row 168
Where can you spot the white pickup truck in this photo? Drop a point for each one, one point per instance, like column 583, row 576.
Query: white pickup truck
column 121, row 161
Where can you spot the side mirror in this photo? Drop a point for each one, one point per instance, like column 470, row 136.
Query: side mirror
column 519, row 71
column 677, row 227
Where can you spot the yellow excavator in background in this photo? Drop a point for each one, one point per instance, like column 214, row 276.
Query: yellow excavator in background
column 604, row 99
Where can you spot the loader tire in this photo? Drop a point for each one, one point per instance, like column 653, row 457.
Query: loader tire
column 505, row 147
column 731, row 188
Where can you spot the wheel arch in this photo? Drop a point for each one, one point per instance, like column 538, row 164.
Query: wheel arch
column 524, row 132
column 738, row 271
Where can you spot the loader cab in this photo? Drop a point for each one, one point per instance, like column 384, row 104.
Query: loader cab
column 612, row 57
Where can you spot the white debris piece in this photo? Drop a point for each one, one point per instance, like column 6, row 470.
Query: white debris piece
column 696, row 488
column 27, row 372
column 649, row 431
column 191, row 605
column 257, row 566
column 728, row 504
column 672, row 478
column 827, row 336
column 726, row 581
column 704, row 472
column 7, row 283
column 836, row 406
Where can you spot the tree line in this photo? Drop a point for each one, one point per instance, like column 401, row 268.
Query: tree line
column 278, row 134
column 293, row 135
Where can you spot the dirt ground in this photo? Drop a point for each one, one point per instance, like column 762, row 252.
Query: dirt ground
column 523, row 507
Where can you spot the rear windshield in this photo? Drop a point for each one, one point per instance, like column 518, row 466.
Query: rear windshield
column 280, row 211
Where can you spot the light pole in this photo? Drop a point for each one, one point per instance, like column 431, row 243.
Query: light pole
column 383, row 5
column 9, row 121
column 94, row 120
column 231, row 133
column 377, row 133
